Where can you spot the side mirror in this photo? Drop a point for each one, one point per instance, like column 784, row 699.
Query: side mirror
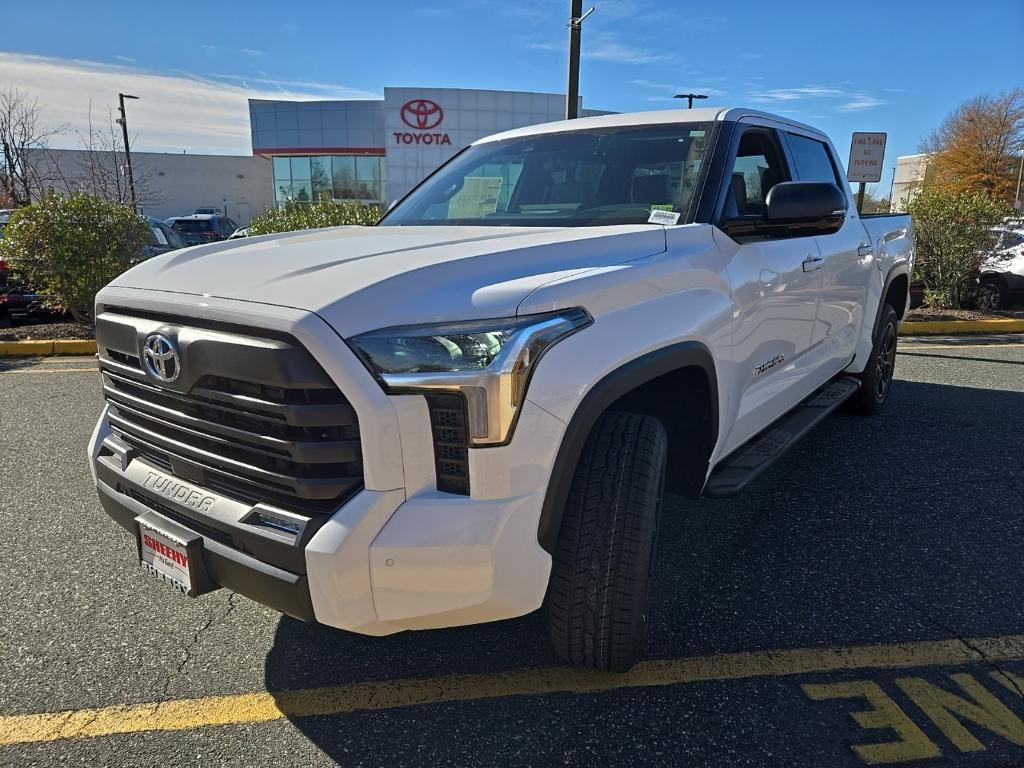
column 813, row 203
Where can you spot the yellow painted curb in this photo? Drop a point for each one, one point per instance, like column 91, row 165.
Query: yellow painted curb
column 74, row 347
column 950, row 327
column 48, row 347
column 26, row 348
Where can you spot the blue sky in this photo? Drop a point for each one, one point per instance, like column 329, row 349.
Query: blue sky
column 897, row 67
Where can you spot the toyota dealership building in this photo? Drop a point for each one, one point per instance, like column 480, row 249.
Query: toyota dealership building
column 377, row 150
column 369, row 150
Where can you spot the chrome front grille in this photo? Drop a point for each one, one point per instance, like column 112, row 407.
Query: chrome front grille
column 253, row 418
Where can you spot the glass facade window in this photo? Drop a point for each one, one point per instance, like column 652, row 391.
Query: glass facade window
column 335, row 177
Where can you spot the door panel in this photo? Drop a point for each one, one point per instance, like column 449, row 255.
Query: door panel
column 777, row 306
column 775, row 283
column 848, row 259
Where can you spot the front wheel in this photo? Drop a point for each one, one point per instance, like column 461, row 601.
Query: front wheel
column 604, row 559
column 876, row 379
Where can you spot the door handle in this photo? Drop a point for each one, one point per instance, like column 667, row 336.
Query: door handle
column 865, row 250
column 812, row 263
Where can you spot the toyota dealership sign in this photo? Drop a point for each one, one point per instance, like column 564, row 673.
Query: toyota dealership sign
column 422, row 116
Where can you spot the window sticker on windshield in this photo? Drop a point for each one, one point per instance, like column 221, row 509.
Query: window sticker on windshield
column 661, row 216
column 477, row 198
column 696, row 134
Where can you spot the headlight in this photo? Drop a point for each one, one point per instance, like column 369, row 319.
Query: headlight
column 489, row 362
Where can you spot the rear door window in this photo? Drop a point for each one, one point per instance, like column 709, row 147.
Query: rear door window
column 812, row 160
column 192, row 225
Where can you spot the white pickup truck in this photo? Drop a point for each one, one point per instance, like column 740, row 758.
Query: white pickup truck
column 475, row 407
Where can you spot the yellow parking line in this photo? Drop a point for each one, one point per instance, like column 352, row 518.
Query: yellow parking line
column 263, row 706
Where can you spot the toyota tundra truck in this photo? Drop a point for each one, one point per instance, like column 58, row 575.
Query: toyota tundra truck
column 475, row 408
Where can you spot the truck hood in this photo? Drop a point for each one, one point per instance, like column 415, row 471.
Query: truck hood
column 363, row 278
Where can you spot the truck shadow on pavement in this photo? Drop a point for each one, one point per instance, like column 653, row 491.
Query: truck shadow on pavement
column 902, row 527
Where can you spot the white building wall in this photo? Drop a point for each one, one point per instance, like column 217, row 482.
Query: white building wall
column 909, row 179
column 175, row 185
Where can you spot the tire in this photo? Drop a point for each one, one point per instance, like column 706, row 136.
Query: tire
column 991, row 295
column 604, row 558
column 876, row 379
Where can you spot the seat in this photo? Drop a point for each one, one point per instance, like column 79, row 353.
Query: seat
column 739, row 194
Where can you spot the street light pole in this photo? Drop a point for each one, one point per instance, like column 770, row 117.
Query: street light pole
column 892, row 184
column 123, row 120
column 572, row 95
column 689, row 98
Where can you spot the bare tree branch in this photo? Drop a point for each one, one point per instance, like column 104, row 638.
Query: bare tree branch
column 21, row 134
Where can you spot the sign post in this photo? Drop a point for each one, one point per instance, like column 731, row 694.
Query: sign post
column 867, row 151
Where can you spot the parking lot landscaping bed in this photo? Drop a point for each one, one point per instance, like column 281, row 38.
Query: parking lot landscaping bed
column 37, row 331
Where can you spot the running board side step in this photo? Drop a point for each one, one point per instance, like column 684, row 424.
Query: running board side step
column 741, row 467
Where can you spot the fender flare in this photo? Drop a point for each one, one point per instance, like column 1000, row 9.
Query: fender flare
column 894, row 272
column 598, row 399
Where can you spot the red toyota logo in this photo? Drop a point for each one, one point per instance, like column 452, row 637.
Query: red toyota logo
column 422, row 114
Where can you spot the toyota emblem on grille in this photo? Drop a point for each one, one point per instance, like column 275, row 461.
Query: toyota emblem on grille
column 161, row 358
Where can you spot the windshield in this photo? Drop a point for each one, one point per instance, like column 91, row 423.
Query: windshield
column 578, row 179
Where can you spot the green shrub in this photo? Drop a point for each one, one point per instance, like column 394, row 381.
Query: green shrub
column 323, row 213
column 952, row 235
column 73, row 246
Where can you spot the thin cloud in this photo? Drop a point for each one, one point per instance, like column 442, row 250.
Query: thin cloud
column 174, row 113
column 125, row 59
column 620, row 53
column 669, row 90
column 854, row 101
column 311, row 87
column 861, row 101
column 796, row 94
column 254, row 52
column 605, row 47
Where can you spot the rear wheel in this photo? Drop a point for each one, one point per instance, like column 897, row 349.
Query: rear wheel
column 876, row 379
column 604, row 559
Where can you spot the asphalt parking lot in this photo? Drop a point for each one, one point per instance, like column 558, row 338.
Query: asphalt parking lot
column 861, row 605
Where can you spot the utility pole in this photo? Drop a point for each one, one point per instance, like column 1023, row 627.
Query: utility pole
column 892, row 184
column 689, row 98
column 572, row 95
column 123, row 120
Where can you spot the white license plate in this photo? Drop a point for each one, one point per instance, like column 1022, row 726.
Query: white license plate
column 165, row 556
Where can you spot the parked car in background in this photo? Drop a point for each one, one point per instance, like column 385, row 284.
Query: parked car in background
column 162, row 239
column 208, row 211
column 203, row 228
column 19, row 303
column 1001, row 284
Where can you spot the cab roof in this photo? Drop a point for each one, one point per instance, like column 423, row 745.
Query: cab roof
column 657, row 117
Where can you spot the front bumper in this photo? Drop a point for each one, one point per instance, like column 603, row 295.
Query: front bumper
column 397, row 555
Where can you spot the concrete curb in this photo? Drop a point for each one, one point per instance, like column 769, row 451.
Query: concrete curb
column 47, row 348
column 953, row 327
